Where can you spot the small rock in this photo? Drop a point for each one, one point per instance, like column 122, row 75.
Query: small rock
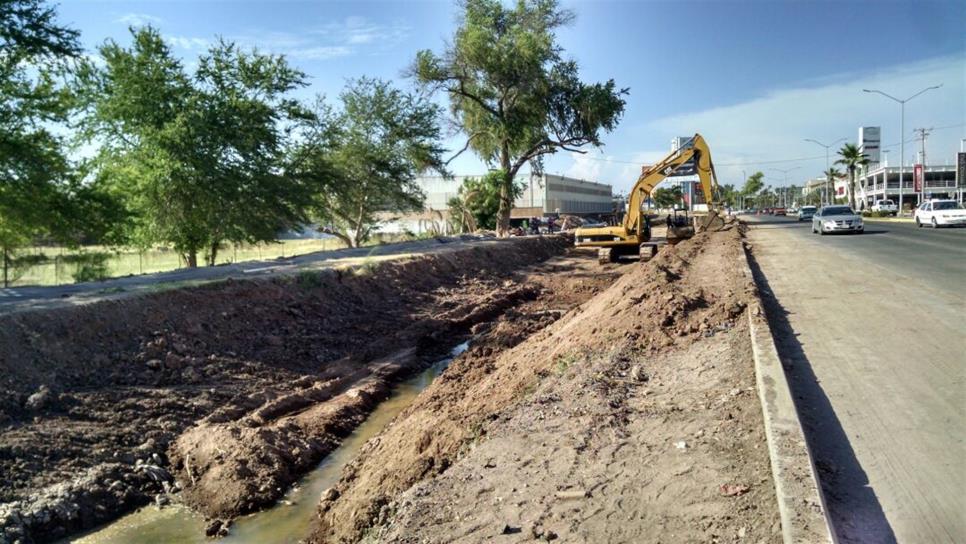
column 638, row 374
column 173, row 361
column 733, row 490
column 40, row 399
column 682, row 445
column 217, row 528
column 508, row 530
column 155, row 364
column 742, row 532
column 161, row 500
column 330, row 494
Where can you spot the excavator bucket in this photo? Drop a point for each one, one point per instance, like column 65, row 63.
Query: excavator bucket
column 713, row 222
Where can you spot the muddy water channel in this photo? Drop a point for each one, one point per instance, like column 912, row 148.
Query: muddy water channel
column 289, row 520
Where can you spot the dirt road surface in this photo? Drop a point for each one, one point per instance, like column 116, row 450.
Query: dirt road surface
column 872, row 333
column 632, row 418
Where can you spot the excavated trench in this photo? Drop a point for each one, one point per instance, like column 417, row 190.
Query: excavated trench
column 290, row 519
column 220, row 397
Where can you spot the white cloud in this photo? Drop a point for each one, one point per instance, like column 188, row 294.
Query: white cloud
column 138, row 19
column 748, row 135
column 331, row 40
column 323, row 52
column 188, row 42
column 773, row 127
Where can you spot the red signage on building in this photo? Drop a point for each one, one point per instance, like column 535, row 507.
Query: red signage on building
column 917, row 176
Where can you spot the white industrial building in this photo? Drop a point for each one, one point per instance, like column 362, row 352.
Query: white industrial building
column 543, row 195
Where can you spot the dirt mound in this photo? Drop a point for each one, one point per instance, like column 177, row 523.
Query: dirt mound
column 573, row 429
column 90, row 394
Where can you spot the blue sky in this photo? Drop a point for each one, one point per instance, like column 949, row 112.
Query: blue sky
column 754, row 77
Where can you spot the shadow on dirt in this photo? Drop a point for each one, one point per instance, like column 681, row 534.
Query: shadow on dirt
column 854, row 509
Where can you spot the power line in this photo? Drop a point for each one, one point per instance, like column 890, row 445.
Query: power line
column 774, row 161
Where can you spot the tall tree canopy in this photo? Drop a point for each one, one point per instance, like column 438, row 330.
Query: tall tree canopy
column 753, row 184
column 364, row 158
column 512, row 92
column 34, row 50
column 196, row 159
column 852, row 158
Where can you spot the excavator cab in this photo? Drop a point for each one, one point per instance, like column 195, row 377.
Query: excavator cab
column 679, row 226
column 633, row 236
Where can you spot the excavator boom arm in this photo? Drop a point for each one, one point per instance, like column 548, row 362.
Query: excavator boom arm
column 651, row 176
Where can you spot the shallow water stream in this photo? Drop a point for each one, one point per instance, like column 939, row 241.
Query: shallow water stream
column 290, row 518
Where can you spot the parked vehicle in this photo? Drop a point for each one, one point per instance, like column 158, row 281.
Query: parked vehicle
column 837, row 219
column 805, row 213
column 940, row 213
column 779, row 211
column 887, row 206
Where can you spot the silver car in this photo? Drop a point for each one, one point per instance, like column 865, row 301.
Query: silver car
column 806, row 212
column 837, row 219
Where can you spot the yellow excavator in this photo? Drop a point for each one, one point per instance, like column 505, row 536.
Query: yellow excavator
column 633, row 237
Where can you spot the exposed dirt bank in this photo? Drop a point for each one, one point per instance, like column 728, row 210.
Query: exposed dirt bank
column 94, row 398
column 633, row 418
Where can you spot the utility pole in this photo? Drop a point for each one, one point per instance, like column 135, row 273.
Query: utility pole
column 784, row 190
column 902, row 133
column 828, row 195
column 923, row 134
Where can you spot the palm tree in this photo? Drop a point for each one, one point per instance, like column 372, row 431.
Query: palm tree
column 852, row 158
column 830, row 176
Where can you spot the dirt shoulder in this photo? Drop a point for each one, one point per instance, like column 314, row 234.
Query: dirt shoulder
column 632, row 418
column 105, row 406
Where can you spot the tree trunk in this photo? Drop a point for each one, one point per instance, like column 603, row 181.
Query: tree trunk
column 852, row 188
column 6, row 267
column 506, row 191
column 213, row 255
column 192, row 258
column 348, row 241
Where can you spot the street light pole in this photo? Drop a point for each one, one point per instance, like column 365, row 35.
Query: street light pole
column 785, row 181
column 828, row 199
column 902, row 133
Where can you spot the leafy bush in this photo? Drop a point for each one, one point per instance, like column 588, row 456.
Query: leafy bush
column 89, row 266
column 870, row 213
column 309, row 279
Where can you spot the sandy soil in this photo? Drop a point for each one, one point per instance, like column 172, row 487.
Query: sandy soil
column 93, row 399
column 632, row 418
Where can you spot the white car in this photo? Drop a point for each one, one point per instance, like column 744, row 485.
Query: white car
column 805, row 213
column 831, row 219
column 940, row 213
column 887, row 206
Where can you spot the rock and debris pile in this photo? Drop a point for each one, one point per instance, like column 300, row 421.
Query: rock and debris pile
column 632, row 418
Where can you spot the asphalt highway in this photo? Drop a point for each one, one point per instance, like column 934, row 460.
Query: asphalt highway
column 871, row 330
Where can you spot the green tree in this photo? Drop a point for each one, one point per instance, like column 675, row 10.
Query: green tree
column 479, row 200
column 197, row 159
column 667, row 197
column 34, row 50
column 753, row 184
column 830, row 176
column 365, row 158
column 852, row 158
column 728, row 194
column 511, row 91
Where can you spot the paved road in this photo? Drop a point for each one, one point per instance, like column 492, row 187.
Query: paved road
column 872, row 332
column 29, row 298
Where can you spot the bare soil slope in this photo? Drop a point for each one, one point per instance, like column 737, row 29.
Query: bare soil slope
column 94, row 398
column 633, row 418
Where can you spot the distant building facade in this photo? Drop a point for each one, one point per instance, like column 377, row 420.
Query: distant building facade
column 543, row 195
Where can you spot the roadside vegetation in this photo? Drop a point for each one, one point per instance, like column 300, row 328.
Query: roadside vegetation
column 129, row 147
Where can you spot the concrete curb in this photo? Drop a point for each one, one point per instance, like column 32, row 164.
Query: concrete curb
column 801, row 503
